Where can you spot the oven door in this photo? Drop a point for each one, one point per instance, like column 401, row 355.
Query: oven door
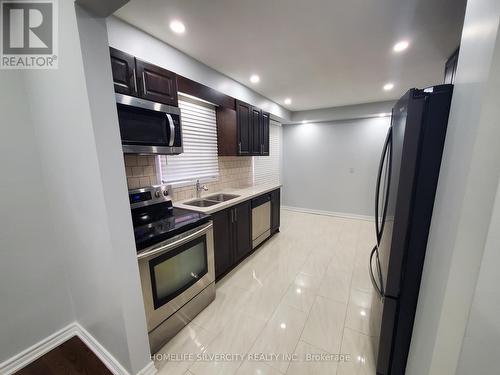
column 147, row 127
column 175, row 271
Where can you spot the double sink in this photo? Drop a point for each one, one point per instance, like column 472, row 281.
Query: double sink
column 211, row 200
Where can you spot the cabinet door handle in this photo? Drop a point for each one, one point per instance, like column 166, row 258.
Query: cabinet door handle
column 135, row 80
column 232, row 216
column 239, row 147
column 235, row 215
column 144, row 82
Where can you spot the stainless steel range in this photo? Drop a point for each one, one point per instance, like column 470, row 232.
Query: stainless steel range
column 176, row 262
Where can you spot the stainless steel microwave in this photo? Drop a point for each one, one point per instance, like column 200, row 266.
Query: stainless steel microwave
column 147, row 127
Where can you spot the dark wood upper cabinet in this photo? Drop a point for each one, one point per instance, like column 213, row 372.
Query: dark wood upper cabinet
column 135, row 77
column 190, row 87
column 223, row 242
column 123, row 69
column 275, row 210
column 256, row 127
column 227, row 132
column 243, row 127
column 265, row 134
column 156, row 84
column 244, row 132
column 242, row 230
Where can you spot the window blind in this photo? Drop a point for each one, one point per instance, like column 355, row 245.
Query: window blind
column 267, row 169
column 199, row 137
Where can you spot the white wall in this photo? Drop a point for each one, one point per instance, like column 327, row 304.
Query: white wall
column 465, row 197
column 481, row 344
column 347, row 112
column 122, row 281
column 34, row 294
column 127, row 38
column 332, row 166
column 67, row 248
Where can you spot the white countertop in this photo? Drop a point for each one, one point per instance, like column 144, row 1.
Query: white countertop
column 244, row 194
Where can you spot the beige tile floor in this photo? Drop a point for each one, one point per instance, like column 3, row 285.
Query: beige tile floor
column 305, row 292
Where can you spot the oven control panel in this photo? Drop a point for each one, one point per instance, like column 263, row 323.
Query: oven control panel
column 149, row 195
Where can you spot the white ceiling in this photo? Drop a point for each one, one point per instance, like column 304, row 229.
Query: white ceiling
column 321, row 53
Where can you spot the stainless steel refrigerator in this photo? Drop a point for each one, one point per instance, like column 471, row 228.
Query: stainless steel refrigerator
column 404, row 199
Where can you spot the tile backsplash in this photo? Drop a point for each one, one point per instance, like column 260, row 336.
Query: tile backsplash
column 140, row 170
column 234, row 172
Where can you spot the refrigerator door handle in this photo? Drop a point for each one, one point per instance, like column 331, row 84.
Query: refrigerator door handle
column 379, row 289
column 385, row 152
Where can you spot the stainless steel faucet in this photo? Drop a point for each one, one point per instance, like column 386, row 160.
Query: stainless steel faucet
column 199, row 188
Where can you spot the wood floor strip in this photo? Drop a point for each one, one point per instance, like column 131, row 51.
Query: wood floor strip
column 72, row 357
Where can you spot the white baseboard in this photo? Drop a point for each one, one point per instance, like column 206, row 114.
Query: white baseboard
column 31, row 354
column 150, row 369
column 106, row 357
column 329, row 213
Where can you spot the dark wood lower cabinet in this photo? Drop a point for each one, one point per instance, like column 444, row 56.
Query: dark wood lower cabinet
column 233, row 233
column 223, row 249
column 275, row 210
column 242, row 230
column 232, row 236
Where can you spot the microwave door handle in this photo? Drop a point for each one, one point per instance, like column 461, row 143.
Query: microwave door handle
column 172, row 130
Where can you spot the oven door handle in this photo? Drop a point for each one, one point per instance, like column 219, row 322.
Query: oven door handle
column 172, row 130
column 170, row 246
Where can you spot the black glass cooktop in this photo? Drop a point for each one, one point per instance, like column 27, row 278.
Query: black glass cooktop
column 159, row 222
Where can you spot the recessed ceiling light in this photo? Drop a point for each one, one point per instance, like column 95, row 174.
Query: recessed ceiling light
column 254, row 78
column 288, row 101
column 177, row 27
column 401, row 46
column 304, row 121
column 388, row 86
column 283, row 325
